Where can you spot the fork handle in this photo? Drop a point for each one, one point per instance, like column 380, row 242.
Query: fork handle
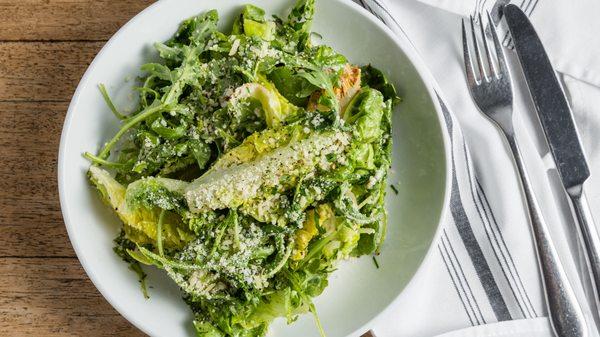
column 566, row 316
column 589, row 236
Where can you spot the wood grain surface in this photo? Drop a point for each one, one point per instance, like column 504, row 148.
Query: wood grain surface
column 45, row 46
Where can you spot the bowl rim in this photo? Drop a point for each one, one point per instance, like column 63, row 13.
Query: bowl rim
column 401, row 40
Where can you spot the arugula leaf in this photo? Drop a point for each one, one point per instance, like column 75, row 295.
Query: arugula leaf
column 294, row 88
column 300, row 20
column 375, row 79
column 109, row 102
column 320, row 79
column 196, row 30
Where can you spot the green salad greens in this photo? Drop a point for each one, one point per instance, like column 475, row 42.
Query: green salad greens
column 255, row 162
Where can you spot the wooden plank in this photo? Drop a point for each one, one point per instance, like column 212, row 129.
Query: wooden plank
column 54, row 297
column 30, row 216
column 29, row 138
column 65, row 19
column 43, row 238
column 42, row 296
column 34, row 71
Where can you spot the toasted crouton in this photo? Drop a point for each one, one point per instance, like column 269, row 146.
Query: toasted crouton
column 350, row 85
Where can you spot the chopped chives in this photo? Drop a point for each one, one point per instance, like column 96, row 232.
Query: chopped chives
column 375, row 261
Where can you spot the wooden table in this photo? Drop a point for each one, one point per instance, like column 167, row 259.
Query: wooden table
column 45, row 46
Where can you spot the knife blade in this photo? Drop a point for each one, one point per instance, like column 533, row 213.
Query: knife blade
column 557, row 121
column 549, row 100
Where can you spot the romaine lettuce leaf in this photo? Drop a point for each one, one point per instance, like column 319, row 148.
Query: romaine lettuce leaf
column 140, row 221
column 274, row 106
column 258, row 144
column 251, row 22
column 316, row 220
column 256, row 186
column 365, row 112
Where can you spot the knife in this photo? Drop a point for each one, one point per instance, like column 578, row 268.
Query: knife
column 559, row 127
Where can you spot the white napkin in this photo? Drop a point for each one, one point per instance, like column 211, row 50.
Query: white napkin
column 537, row 327
column 483, row 268
column 569, row 30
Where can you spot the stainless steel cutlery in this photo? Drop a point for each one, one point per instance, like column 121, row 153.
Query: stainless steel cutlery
column 489, row 83
column 557, row 122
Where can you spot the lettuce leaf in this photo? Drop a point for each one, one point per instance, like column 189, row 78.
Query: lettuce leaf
column 251, row 22
column 140, row 221
column 365, row 112
column 256, row 186
column 275, row 108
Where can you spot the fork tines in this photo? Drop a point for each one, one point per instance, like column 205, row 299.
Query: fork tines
column 492, row 65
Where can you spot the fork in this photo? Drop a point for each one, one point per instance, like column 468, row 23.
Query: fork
column 491, row 90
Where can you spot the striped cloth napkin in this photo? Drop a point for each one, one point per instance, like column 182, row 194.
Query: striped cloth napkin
column 483, row 278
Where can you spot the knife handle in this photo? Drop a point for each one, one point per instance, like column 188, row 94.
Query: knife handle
column 566, row 316
column 590, row 238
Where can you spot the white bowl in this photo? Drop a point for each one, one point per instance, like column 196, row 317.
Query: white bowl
column 358, row 292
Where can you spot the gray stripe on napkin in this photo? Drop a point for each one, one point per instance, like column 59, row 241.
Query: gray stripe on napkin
column 454, row 284
column 494, row 236
column 507, row 256
column 457, row 283
column 500, row 256
column 465, row 230
column 367, row 7
column 457, row 268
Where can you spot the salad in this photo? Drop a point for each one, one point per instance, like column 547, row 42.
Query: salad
column 255, row 162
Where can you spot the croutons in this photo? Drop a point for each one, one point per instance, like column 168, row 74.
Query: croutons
column 349, row 86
